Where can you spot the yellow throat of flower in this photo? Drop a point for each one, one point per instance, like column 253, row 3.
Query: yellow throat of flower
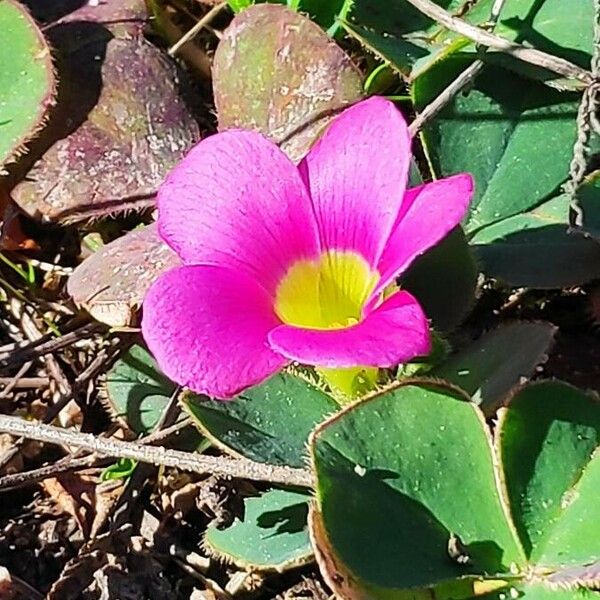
column 328, row 293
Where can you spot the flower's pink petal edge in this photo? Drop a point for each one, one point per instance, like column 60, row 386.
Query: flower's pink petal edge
column 429, row 212
column 207, row 328
column 356, row 182
column 237, row 201
column 393, row 333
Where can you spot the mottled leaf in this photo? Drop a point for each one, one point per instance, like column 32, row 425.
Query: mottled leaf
column 111, row 283
column 119, row 123
column 278, row 72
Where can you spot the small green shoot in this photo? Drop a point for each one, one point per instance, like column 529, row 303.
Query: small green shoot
column 122, row 469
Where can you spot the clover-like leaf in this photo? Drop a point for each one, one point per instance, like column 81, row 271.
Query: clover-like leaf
column 112, row 282
column 268, row 423
column 536, row 248
column 494, row 132
column 272, row 534
column 548, row 441
column 414, row 464
column 401, row 35
column 27, row 83
column 119, row 124
column 137, row 391
column 411, row 43
column 394, row 467
column 279, row 73
column 448, row 266
column 491, row 367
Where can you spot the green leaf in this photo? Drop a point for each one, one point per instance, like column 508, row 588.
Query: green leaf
column 137, row 390
column 537, row 249
column 122, row 469
column 26, row 79
column 239, row 5
column 448, row 266
column 411, row 43
column 268, row 423
column 272, row 535
column 279, row 73
column 409, row 469
column 541, row 592
column 547, row 440
column 495, row 132
column 542, row 25
column 401, row 35
column 499, row 360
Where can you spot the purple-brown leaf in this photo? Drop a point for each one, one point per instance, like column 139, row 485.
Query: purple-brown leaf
column 111, row 283
column 119, row 124
column 278, row 72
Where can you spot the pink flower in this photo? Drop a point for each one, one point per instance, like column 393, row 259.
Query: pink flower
column 284, row 263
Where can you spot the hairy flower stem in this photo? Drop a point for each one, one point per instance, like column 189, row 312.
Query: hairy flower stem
column 351, row 383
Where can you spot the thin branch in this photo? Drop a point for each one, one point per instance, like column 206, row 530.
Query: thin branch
column 13, row 381
column 157, row 455
column 44, row 346
column 14, row 480
column 53, row 410
column 446, row 96
column 74, row 463
column 465, row 79
column 22, row 383
column 484, row 38
column 203, row 22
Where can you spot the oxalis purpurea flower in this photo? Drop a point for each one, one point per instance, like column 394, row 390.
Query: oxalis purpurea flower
column 284, row 263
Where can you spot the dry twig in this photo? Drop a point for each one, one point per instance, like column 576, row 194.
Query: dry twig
column 460, row 83
column 203, row 22
column 484, row 38
column 157, row 455
column 74, row 462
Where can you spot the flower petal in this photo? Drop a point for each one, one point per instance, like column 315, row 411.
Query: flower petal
column 237, row 201
column 207, row 328
column 429, row 212
column 393, row 333
column 357, row 174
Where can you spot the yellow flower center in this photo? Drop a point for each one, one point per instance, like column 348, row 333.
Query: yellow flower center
column 328, row 293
